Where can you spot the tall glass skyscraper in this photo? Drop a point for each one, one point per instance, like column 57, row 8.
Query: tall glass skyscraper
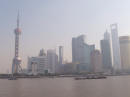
column 106, row 52
column 81, row 53
column 115, row 48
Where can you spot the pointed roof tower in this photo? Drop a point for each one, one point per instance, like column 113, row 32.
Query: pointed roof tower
column 18, row 30
column 106, row 35
column 18, row 20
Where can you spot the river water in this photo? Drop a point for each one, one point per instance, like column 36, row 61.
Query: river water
column 116, row 86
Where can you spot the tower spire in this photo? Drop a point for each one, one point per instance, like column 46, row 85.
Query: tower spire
column 16, row 61
column 106, row 31
column 18, row 20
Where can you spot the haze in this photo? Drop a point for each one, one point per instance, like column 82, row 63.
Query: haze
column 49, row 23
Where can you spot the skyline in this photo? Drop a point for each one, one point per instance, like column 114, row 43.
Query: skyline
column 59, row 21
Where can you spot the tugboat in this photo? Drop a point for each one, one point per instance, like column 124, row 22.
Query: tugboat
column 80, row 78
column 91, row 77
column 12, row 77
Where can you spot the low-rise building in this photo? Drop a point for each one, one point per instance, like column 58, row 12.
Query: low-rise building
column 68, row 68
column 96, row 61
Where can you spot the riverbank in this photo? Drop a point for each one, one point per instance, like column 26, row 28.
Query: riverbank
column 6, row 76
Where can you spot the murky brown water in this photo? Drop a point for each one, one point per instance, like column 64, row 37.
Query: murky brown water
column 66, row 87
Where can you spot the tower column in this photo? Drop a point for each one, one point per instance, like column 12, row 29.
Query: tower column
column 17, row 60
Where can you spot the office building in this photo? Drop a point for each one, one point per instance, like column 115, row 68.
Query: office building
column 81, row 53
column 68, row 68
column 52, row 61
column 96, row 61
column 125, row 52
column 106, row 52
column 61, row 55
column 115, row 48
column 38, row 64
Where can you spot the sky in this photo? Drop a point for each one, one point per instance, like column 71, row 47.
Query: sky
column 48, row 24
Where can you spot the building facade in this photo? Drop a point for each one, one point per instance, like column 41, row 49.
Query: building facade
column 52, row 61
column 60, row 55
column 96, row 61
column 81, row 53
column 115, row 48
column 125, row 52
column 68, row 68
column 106, row 52
column 38, row 65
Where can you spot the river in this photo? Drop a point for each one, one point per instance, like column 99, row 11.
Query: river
column 116, row 86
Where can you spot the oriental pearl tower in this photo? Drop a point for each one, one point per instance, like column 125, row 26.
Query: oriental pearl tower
column 16, row 64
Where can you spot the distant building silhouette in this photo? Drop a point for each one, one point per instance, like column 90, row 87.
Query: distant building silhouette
column 125, row 52
column 68, row 68
column 52, row 61
column 81, row 53
column 61, row 55
column 106, row 52
column 115, row 48
column 96, row 61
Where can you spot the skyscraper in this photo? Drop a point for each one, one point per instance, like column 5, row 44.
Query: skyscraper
column 125, row 52
column 78, row 44
column 106, row 52
column 115, row 48
column 81, row 53
column 16, row 65
column 60, row 55
column 52, row 61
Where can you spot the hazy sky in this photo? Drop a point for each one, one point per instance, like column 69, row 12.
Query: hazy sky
column 50, row 23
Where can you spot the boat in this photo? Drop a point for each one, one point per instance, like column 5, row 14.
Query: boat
column 91, row 77
column 80, row 78
column 12, row 78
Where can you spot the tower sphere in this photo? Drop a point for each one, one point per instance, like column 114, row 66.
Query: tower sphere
column 17, row 31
